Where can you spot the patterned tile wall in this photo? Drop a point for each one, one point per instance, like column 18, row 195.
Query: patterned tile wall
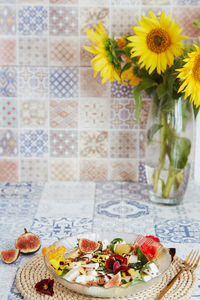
column 56, row 121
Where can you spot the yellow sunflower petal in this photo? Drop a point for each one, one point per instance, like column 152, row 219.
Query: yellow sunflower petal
column 156, row 42
column 190, row 76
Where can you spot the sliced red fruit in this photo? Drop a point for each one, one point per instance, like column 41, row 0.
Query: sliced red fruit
column 115, row 281
column 88, row 246
column 9, row 256
column 28, row 242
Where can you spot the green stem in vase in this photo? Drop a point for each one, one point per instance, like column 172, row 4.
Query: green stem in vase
column 156, row 174
column 170, row 181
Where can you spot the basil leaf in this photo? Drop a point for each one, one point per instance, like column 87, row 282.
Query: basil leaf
column 123, row 281
column 141, row 256
column 136, row 266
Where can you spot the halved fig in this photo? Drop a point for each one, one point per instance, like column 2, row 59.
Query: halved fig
column 88, row 246
column 28, row 242
column 9, row 256
column 115, row 281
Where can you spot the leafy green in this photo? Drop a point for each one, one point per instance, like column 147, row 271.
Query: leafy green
column 126, row 67
column 141, row 256
column 136, row 280
column 161, row 89
column 179, row 150
column 152, row 130
column 136, row 266
column 102, row 268
column 123, row 281
column 145, row 84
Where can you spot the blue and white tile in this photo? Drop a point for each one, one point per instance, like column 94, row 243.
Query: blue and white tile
column 178, row 230
column 64, row 82
column 134, row 191
column 32, row 20
column 7, row 279
column 109, row 209
column 9, row 191
column 12, row 226
column 8, row 82
column 33, row 143
column 141, row 225
column 33, row 82
column 107, row 224
column 18, row 208
column 53, row 229
column 108, row 191
column 134, row 209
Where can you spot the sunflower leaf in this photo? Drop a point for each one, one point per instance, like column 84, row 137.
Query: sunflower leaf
column 161, row 90
column 179, row 150
column 126, row 67
column 152, row 130
column 138, row 101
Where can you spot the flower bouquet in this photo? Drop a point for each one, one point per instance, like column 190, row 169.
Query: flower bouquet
column 156, row 62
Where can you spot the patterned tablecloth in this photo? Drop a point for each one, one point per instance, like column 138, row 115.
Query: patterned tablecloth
column 57, row 210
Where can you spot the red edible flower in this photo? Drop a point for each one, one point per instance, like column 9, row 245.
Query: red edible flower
column 45, row 286
column 109, row 263
column 156, row 239
column 117, row 263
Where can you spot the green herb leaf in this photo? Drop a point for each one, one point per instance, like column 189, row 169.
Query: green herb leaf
column 179, row 150
column 123, row 281
column 141, row 256
column 136, row 280
column 136, row 266
column 152, row 130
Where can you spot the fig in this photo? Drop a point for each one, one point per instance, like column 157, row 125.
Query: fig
column 88, row 246
column 28, row 242
column 115, row 281
column 9, row 256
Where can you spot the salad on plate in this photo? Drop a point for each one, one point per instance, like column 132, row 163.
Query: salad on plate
column 107, row 263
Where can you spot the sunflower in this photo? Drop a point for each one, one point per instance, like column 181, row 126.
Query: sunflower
column 104, row 61
column 133, row 79
column 190, row 74
column 156, row 43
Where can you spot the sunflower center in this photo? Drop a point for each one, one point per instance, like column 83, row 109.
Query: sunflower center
column 196, row 69
column 158, row 40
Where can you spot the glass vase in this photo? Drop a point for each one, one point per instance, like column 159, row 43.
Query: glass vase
column 169, row 148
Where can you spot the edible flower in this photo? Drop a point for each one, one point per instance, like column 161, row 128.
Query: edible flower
column 117, row 263
column 59, row 264
column 45, row 286
column 100, row 259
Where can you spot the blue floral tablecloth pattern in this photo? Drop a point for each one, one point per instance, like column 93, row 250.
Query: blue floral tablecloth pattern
column 55, row 210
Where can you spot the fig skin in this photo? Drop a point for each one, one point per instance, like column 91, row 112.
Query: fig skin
column 15, row 255
column 88, row 246
column 28, row 242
